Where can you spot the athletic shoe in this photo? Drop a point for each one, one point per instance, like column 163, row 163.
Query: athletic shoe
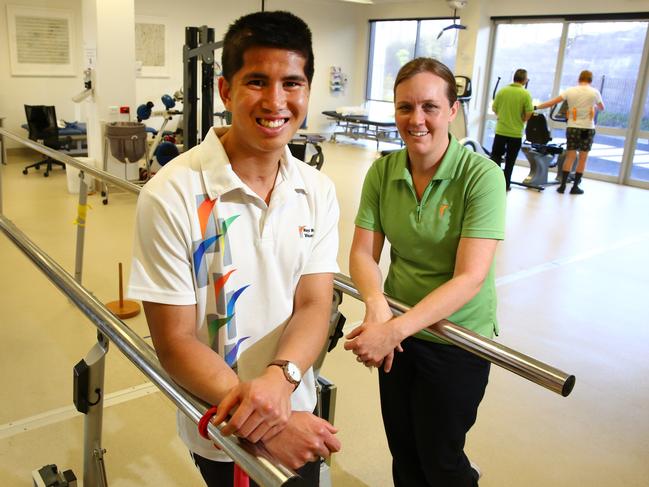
column 576, row 190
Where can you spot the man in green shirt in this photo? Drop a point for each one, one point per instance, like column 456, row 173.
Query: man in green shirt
column 513, row 106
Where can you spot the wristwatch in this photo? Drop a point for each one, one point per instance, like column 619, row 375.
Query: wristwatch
column 291, row 371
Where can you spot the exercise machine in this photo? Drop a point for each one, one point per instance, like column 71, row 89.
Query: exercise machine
column 536, row 147
column 162, row 150
column 540, row 153
column 199, row 45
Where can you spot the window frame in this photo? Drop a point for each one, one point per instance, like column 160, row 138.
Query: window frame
column 631, row 132
column 370, row 57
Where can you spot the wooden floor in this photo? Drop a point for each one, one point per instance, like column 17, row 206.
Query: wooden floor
column 573, row 291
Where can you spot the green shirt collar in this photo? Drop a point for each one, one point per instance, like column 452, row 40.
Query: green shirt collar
column 446, row 169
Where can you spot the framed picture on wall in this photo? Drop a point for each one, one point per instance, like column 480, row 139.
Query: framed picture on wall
column 151, row 47
column 41, row 41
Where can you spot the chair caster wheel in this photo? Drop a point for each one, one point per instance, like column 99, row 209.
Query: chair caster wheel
column 46, row 174
column 104, row 201
column 24, row 171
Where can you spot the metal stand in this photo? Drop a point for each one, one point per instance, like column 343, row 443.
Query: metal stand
column 541, row 158
column 325, row 390
column 81, row 226
column 104, row 191
column 49, row 476
column 88, row 397
column 89, row 400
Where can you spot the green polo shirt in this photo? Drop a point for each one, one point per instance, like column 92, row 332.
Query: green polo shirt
column 465, row 198
column 510, row 104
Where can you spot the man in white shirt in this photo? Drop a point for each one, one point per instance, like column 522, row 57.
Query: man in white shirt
column 235, row 250
column 583, row 101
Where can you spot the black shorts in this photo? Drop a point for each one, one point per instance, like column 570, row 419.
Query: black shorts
column 579, row 139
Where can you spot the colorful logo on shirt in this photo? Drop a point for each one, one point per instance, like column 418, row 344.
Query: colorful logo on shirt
column 213, row 241
column 215, row 325
column 442, row 209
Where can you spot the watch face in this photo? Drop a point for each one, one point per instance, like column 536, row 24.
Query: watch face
column 293, row 371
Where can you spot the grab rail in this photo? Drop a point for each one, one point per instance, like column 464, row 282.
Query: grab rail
column 531, row 369
column 254, row 460
column 66, row 159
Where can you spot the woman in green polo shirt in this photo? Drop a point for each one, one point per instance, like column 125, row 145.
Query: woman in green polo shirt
column 442, row 208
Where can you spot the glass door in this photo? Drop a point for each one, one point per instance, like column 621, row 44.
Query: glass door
column 532, row 46
column 613, row 51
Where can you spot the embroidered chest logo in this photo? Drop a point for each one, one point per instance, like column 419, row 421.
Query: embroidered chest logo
column 442, row 209
column 306, row 232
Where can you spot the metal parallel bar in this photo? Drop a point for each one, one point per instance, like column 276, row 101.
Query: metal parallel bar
column 527, row 367
column 523, row 365
column 66, row 159
column 256, row 462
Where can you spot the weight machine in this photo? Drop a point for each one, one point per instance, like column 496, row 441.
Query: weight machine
column 199, row 45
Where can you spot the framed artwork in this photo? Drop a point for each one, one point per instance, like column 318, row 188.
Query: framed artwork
column 41, row 41
column 151, row 47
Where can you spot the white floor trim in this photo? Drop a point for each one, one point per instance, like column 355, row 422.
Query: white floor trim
column 61, row 414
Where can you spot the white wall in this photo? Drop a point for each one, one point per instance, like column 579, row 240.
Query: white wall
column 15, row 91
column 335, row 37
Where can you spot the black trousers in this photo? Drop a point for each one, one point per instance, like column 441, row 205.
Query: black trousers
column 429, row 401
column 509, row 147
column 221, row 474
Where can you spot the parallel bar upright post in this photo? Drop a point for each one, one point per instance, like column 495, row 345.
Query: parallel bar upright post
column 207, row 81
column 82, row 215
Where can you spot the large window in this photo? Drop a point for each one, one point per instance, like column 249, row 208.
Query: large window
column 395, row 42
column 533, row 47
column 554, row 52
column 612, row 51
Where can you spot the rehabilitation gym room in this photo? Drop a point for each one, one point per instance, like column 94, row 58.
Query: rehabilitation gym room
column 507, row 225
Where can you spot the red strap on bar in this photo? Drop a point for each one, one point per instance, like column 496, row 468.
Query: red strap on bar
column 241, row 478
column 205, row 421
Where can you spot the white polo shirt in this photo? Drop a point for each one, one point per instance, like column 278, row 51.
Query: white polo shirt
column 582, row 100
column 203, row 237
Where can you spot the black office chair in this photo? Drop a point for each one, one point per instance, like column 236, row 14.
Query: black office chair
column 41, row 120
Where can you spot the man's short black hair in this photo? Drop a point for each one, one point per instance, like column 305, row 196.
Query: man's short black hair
column 277, row 29
column 520, row 76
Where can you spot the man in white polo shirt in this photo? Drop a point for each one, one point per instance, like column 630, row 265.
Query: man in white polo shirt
column 235, row 250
